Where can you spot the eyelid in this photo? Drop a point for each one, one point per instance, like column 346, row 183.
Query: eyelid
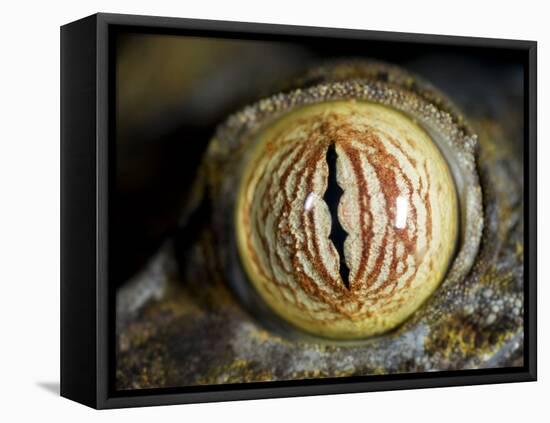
column 234, row 143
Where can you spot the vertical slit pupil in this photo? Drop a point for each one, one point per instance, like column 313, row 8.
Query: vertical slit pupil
column 332, row 197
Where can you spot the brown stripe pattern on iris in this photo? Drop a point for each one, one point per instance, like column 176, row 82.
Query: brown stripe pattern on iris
column 396, row 210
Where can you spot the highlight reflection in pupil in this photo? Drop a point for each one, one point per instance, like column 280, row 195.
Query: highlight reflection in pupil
column 401, row 207
column 346, row 218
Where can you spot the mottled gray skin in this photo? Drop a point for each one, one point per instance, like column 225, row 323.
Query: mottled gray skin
column 181, row 323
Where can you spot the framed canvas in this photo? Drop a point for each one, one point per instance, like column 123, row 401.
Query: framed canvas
column 257, row 211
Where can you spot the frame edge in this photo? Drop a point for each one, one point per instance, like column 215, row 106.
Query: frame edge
column 78, row 212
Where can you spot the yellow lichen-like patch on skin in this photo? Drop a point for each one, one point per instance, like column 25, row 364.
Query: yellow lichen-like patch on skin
column 458, row 338
column 398, row 209
column 237, row 371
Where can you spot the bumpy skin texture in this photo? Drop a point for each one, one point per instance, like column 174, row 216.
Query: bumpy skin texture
column 195, row 326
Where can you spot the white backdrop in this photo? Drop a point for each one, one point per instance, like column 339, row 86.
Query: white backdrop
column 29, row 210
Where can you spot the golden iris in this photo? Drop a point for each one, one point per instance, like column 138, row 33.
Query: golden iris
column 346, row 218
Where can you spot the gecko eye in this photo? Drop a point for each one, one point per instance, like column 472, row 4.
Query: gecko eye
column 353, row 201
column 347, row 218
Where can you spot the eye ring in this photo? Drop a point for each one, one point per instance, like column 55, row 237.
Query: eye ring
column 373, row 83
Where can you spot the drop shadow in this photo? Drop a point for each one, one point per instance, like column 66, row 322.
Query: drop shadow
column 51, row 387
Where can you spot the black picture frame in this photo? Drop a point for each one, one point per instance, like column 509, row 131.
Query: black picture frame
column 87, row 159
